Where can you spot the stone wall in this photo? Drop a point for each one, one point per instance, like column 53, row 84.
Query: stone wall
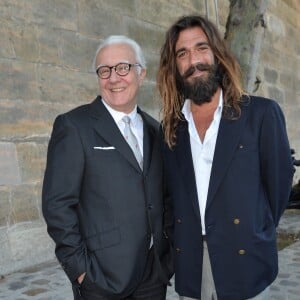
column 46, row 54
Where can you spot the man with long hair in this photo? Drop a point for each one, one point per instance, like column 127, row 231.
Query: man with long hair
column 228, row 165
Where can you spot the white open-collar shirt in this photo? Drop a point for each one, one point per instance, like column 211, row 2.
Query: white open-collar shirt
column 203, row 153
column 135, row 119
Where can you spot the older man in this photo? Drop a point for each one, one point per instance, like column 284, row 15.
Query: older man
column 103, row 194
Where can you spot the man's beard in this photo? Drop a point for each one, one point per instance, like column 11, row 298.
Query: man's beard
column 200, row 89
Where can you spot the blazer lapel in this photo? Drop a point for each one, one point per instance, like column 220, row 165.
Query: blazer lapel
column 106, row 127
column 226, row 144
column 185, row 162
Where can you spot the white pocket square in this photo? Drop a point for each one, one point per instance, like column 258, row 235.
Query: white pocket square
column 104, row 148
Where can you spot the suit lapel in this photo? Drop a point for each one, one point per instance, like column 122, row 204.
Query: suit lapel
column 226, row 145
column 106, row 127
column 148, row 140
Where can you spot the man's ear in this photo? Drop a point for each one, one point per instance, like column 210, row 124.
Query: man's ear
column 142, row 76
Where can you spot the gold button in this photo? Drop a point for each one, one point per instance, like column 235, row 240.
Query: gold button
column 178, row 250
column 236, row 221
column 242, row 252
column 179, row 221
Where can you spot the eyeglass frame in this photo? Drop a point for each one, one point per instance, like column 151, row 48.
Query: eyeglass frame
column 115, row 68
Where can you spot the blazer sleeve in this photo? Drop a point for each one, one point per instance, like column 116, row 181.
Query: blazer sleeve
column 168, row 208
column 276, row 161
column 60, row 195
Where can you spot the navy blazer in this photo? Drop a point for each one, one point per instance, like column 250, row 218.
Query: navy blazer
column 249, row 186
column 100, row 207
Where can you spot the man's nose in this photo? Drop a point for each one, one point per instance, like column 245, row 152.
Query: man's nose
column 114, row 76
column 195, row 58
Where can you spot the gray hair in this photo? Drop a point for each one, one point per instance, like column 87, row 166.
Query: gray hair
column 122, row 39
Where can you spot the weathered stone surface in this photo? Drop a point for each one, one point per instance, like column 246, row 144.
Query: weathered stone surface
column 149, row 36
column 96, row 21
column 24, row 244
column 55, row 13
column 24, row 206
column 271, row 75
column 18, row 79
column 77, row 51
column 152, row 66
column 277, row 94
column 4, row 205
column 66, row 86
column 32, row 159
column 6, row 49
column 147, row 99
column 10, row 173
column 46, row 54
column 5, row 253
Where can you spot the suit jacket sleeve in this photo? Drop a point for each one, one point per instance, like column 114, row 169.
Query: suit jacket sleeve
column 276, row 162
column 60, row 195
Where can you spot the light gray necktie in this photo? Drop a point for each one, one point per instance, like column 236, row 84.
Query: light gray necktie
column 132, row 141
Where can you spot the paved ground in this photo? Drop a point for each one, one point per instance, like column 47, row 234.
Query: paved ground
column 48, row 282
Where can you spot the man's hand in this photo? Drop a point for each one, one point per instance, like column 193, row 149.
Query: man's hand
column 80, row 278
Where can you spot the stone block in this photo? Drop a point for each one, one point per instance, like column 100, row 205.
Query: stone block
column 18, row 80
column 32, row 159
column 77, row 51
column 10, row 173
column 152, row 66
column 163, row 14
column 96, row 21
column 149, row 36
column 277, row 94
column 270, row 75
column 55, row 13
column 288, row 80
column 25, row 245
column 124, row 7
column 25, row 42
column 26, row 120
column 4, row 206
column 66, row 86
column 6, row 49
column 5, row 253
column 148, row 100
column 49, row 45
column 24, row 204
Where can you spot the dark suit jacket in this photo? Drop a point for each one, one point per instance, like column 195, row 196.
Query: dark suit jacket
column 248, row 191
column 100, row 208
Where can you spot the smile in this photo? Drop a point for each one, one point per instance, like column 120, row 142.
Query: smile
column 117, row 90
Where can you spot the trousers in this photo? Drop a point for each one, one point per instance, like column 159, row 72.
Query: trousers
column 208, row 289
column 150, row 288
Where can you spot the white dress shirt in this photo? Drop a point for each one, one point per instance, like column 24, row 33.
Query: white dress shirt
column 203, row 153
column 135, row 119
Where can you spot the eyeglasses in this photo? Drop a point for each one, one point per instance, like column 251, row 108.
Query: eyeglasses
column 122, row 69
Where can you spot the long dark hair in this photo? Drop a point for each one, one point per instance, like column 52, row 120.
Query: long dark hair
column 172, row 96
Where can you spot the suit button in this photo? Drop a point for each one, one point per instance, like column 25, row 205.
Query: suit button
column 179, row 221
column 150, row 206
column 236, row 221
column 242, row 252
column 178, row 250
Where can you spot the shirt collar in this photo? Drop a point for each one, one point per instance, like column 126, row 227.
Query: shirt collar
column 118, row 115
